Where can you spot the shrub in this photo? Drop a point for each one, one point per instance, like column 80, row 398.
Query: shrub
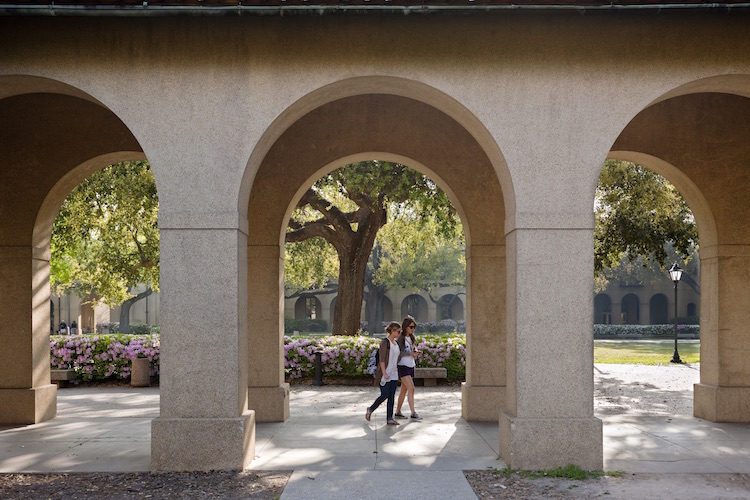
column 102, row 357
column 304, row 325
column 643, row 330
column 348, row 355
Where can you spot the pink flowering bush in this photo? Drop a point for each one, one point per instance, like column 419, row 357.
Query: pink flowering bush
column 102, row 357
column 348, row 356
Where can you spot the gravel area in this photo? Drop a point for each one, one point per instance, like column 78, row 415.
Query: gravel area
column 619, row 389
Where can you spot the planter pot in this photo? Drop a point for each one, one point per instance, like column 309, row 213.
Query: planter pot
column 139, row 372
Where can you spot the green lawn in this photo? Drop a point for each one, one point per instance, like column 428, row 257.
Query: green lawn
column 644, row 353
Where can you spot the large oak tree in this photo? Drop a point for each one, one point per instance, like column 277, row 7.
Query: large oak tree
column 347, row 208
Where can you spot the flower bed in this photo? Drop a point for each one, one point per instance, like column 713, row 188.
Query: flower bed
column 348, row 356
column 103, row 357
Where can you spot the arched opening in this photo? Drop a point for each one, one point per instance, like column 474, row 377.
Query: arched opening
column 696, row 138
column 307, row 306
column 55, row 137
column 415, row 306
column 630, row 312
column 602, row 309
column 353, row 128
column 658, row 309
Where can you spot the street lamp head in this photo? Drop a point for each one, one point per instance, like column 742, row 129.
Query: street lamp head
column 675, row 273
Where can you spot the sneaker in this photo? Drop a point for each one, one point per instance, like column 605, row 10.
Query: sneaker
column 415, row 417
column 399, row 415
column 367, row 414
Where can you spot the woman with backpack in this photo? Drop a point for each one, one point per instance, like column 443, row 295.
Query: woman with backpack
column 407, row 343
column 387, row 372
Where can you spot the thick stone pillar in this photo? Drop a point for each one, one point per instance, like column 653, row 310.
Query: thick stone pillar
column 205, row 423
column 268, row 394
column 549, row 411
column 25, row 390
column 723, row 394
column 483, row 393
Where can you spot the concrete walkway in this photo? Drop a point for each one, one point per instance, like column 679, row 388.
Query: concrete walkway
column 335, row 453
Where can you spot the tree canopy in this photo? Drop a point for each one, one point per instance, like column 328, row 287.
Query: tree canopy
column 346, row 209
column 639, row 214
column 105, row 239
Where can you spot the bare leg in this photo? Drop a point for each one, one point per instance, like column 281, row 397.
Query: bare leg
column 401, row 395
column 407, row 384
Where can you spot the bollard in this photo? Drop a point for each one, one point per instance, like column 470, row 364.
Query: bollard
column 318, row 368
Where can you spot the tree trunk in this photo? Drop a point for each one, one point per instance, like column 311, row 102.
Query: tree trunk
column 125, row 309
column 353, row 257
column 348, row 310
column 374, row 301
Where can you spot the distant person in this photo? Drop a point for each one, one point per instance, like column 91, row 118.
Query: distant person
column 73, row 327
column 387, row 372
column 63, row 328
column 407, row 343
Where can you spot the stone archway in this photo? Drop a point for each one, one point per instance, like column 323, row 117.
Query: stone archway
column 388, row 127
column 697, row 137
column 54, row 136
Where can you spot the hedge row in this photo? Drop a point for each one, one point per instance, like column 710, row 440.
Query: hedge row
column 644, row 330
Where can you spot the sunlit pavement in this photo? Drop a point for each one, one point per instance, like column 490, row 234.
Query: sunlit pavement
column 327, row 440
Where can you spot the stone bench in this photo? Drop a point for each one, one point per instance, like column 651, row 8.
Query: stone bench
column 430, row 375
column 62, row 377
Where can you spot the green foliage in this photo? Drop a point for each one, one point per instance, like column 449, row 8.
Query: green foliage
column 305, row 325
column 418, row 254
column 105, row 239
column 348, row 355
column 637, row 214
column 333, row 208
column 640, row 331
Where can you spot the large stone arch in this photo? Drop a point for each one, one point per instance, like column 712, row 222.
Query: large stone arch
column 54, row 136
column 698, row 137
column 385, row 119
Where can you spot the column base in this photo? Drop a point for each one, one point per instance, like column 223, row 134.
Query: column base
column 202, row 444
column 482, row 403
column 28, row 406
column 721, row 404
column 271, row 404
column 547, row 443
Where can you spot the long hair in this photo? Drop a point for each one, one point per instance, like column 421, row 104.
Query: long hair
column 407, row 322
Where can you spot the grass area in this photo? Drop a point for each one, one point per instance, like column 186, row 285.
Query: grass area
column 644, row 353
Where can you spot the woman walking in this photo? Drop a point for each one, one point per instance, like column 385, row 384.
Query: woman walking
column 387, row 372
column 408, row 346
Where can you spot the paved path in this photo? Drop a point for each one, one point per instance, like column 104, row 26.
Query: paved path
column 335, row 453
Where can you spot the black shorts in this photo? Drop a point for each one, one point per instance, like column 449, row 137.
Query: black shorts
column 405, row 371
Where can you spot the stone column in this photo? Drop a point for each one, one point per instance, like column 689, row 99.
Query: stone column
column 723, row 394
column 204, row 423
column 483, row 393
column 549, row 410
column 268, row 394
column 25, row 390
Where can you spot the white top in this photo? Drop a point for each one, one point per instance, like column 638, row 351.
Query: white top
column 392, row 367
column 406, row 359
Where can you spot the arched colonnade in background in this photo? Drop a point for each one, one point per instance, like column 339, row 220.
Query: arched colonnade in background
column 514, row 123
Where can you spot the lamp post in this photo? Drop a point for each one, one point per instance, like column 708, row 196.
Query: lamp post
column 675, row 273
